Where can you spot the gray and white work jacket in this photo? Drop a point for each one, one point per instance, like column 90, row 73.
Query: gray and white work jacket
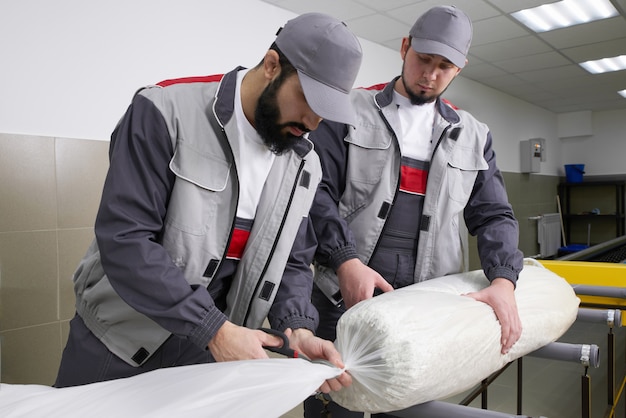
column 464, row 191
column 167, row 217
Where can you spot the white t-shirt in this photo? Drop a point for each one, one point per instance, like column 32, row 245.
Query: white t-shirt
column 253, row 158
column 417, row 128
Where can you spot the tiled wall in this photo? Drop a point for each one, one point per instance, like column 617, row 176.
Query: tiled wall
column 530, row 195
column 49, row 194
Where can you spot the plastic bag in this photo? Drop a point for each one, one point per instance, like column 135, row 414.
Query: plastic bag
column 427, row 341
column 252, row 388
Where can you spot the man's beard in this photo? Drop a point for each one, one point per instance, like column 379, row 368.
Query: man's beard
column 266, row 118
column 417, row 99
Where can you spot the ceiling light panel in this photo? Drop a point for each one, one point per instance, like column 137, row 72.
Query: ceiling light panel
column 605, row 65
column 565, row 13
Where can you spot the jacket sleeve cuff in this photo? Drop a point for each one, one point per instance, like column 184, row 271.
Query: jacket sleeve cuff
column 208, row 327
column 342, row 255
column 297, row 321
column 504, row 272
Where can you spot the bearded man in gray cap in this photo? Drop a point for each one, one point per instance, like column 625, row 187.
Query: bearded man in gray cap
column 401, row 189
column 210, row 182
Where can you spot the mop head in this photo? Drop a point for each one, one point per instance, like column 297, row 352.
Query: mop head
column 427, row 341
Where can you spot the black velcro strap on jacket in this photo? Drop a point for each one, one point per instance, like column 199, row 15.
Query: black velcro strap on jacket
column 454, row 134
column 266, row 290
column 140, row 355
column 305, row 179
column 384, row 210
column 425, row 223
column 210, row 269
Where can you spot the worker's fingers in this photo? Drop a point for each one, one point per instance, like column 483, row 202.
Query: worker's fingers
column 513, row 333
column 330, row 385
column 383, row 285
column 269, row 340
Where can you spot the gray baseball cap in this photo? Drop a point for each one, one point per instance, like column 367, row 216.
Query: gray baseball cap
column 327, row 57
column 445, row 31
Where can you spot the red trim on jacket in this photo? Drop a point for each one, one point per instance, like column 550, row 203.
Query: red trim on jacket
column 198, row 79
column 378, row 87
column 237, row 244
column 449, row 103
column 413, row 180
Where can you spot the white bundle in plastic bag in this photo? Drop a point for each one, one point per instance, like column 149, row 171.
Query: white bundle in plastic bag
column 427, row 341
column 252, row 388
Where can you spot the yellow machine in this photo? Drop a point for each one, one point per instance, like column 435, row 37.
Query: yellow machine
column 591, row 273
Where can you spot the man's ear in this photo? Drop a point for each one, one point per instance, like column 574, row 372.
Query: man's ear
column 460, row 69
column 271, row 64
column 404, row 48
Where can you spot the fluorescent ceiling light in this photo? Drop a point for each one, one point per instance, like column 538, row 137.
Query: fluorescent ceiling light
column 565, row 13
column 622, row 93
column 605, row 65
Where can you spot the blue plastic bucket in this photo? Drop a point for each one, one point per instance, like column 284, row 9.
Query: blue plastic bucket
column 574, row 173
column 572, row 248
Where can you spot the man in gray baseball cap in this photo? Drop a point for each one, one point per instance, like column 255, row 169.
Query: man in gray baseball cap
column 445, row 31
column 400, row 188
column 209, row 185
column 327, row 57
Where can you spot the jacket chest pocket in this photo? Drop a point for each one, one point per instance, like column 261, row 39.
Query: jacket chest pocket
column 463, row 168
column 200, row 180
column 368, row 153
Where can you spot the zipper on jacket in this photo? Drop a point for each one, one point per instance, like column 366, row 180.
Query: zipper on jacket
column 232, row 222
column 443, row 134
column 278, row 234
column 395, row 194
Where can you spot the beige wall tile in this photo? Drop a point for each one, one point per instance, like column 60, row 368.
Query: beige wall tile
column 81, row 167
column 29, row 272
column 27, row 183
column 73, row 244
column 31, row 355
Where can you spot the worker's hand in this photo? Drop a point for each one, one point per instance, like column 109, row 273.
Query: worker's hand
column 314, row 347
column 357, row 282
column 500, row 296
column 233, row 342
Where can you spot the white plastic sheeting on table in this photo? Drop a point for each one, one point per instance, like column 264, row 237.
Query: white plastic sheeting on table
column 252, row 388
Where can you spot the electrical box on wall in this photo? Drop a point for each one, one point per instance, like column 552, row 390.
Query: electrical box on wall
column 530, row 153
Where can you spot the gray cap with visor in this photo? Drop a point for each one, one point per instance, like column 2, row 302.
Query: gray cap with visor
column 445, row 31
column 327, row 57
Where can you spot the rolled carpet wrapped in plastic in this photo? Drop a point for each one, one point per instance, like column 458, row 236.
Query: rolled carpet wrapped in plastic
column 427, row 341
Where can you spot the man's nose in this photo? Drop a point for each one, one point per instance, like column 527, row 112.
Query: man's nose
column 311, row 121
column 430, row 72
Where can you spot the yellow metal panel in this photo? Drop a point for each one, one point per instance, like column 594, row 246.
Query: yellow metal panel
column 592, row 274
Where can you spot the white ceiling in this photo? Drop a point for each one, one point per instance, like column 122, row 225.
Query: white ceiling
column 539, row 68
